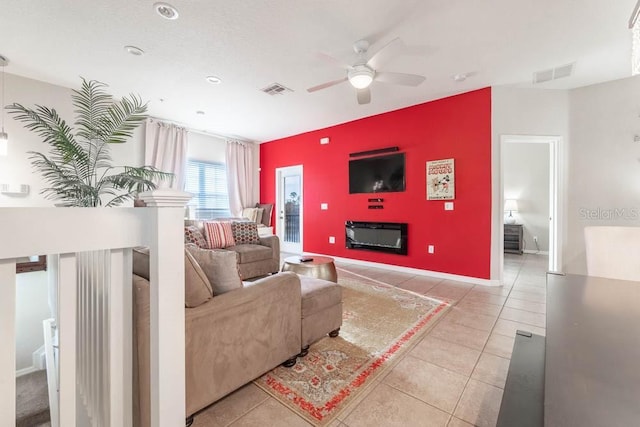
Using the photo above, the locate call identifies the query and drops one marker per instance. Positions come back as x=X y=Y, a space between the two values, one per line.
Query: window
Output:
x=208 y=182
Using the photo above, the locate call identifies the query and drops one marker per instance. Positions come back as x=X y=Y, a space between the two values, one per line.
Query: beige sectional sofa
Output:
x=254 y=260
x=231 y=338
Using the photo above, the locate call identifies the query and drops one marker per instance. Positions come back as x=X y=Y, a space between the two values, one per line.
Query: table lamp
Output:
x=510 y=205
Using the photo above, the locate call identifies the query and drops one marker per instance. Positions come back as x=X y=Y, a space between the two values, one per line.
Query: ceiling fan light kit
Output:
x=361 y=76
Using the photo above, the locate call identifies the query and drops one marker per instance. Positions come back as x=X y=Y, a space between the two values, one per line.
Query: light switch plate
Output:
x=431 y=249
x=448 y=206
x=332 y=239
x=324 y=140
x=324 y=206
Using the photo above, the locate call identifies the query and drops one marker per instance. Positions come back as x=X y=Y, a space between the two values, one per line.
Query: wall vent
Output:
x=553 y=73
x=276 y=89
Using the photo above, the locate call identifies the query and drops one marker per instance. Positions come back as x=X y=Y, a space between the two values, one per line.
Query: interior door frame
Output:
x=280 y=173
x=555 y=208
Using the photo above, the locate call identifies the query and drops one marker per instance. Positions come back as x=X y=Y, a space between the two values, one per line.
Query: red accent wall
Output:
x=457 y=127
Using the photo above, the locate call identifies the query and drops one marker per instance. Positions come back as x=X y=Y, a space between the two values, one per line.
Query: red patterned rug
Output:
x=380 y=322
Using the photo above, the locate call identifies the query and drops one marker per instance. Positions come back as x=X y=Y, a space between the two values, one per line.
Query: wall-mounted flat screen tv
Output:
x=378 y=174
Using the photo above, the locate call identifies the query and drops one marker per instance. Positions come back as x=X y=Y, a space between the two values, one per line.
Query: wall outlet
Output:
x=535 y=239
x=324 y=206
x=324 y=140
x=431 y=249
x=448 y=206
x=332 y=239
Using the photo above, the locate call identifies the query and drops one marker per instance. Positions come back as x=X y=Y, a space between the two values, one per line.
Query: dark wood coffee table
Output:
x=321 y=267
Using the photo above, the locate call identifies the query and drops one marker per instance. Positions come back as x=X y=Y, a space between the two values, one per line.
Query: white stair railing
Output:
x=95 y=306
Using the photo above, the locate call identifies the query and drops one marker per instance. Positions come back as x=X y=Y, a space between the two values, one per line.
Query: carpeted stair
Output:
x=32 y=400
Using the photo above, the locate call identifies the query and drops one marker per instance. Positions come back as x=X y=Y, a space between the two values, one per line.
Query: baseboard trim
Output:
x=416 y=271
x=27 y=370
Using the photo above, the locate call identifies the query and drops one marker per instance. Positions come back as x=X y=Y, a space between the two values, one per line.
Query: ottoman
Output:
x=321 y=310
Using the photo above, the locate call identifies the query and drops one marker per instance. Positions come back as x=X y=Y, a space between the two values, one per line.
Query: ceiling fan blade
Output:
x=331 y=60
x=326 y=85
x=364 y=96
x=385 y=53
x=400 y=78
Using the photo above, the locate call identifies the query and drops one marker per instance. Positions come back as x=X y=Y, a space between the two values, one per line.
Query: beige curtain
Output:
x=240 y=176
x=166 y=149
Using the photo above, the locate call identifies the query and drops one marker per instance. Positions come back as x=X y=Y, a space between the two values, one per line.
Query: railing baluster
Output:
x=8 y=339
x=67 y=330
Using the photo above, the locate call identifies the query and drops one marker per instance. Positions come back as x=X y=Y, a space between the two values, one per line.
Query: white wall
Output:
x=32 y=309
x=535 y=112
x=526 y=179
x=604 y=173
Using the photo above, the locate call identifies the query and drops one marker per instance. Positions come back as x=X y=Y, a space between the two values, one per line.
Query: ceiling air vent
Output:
x=276 y=89
x=553 y=74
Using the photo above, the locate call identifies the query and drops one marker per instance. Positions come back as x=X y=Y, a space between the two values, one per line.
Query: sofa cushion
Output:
x=266 y=214
x=253 y=214
x=219 y=234
x=318 y=294
x=197 y=288
x=252 y=253
x=245 y=233
x=221 y=268
x=193 y=235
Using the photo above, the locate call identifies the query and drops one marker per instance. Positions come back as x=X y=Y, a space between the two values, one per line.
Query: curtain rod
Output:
x=201 y=132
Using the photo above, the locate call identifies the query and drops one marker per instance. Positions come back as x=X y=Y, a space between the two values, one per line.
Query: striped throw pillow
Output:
x=219 y=234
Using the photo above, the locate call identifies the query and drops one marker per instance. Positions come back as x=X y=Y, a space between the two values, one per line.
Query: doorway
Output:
x=549 y=146
x=289 y=202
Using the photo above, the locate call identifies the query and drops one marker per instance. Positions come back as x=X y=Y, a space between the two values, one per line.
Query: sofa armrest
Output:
x=274 y=243
x=239 y=335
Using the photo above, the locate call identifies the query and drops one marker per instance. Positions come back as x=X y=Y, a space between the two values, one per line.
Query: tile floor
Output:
x=453 y=377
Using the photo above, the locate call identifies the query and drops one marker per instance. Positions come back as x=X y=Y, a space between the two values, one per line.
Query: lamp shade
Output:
x=511 y=205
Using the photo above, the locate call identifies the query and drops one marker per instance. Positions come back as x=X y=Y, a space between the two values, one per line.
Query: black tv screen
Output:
x=377 y=174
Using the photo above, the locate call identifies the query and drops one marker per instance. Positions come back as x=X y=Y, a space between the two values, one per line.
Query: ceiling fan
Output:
x=364 y=71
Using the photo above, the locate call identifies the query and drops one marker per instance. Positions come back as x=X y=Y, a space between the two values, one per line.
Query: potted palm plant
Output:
x=78 y=169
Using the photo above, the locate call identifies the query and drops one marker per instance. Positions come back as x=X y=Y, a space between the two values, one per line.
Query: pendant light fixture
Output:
x=4 y=138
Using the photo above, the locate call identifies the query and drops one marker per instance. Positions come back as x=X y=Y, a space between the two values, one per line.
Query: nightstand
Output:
x=513 y=238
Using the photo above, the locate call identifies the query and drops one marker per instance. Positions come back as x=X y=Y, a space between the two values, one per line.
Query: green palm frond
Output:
x=78 y=169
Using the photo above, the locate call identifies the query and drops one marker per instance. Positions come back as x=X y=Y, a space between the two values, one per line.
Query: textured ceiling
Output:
x=250 y=44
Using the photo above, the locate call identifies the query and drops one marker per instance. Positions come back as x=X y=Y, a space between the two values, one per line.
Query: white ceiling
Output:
x=253 y=43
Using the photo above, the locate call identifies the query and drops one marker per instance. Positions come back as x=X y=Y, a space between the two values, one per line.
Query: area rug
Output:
x=380 y=322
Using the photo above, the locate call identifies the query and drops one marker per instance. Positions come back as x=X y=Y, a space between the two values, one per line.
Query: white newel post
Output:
x=167 y=336
x=8 y=339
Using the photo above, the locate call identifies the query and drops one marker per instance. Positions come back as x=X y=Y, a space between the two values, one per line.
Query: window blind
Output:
x=208 y=182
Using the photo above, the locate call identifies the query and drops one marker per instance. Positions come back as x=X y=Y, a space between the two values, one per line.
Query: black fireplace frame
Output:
x=352 y=244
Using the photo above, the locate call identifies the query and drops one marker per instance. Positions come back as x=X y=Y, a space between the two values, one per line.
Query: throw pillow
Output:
x=266 y=215
x=252 y=214
x=245 y=233
x=221 y=268
x=219 y=234
x=193 y=235
x=197 y=288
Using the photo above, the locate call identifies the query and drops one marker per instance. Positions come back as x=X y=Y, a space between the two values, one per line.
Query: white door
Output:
x=289 y=196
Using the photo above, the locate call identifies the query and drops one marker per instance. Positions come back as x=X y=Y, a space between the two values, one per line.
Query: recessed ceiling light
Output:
x=214 y=80
x=200 y=112
x=166 y=10
x=133 y=50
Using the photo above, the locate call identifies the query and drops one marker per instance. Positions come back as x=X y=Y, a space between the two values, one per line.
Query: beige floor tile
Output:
x=492 y=370
x=480 y=404
x=485 y=298
x=420 y=284
x=509 y=328
x=535 y=319
x=204 y=420
x=469 y=337
x=395 y=277
x=389 y=407
x=448 y=291
x=429 y=383
x=530 y=289
x=494 y=290
x=500 y=345
x=337 y=423
x=457 y=422
x=534 y=307
x=479 y=307
x=455 y=357
x=236 y=404
x=271 y=413
x=527 y=296
x=470 y=319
